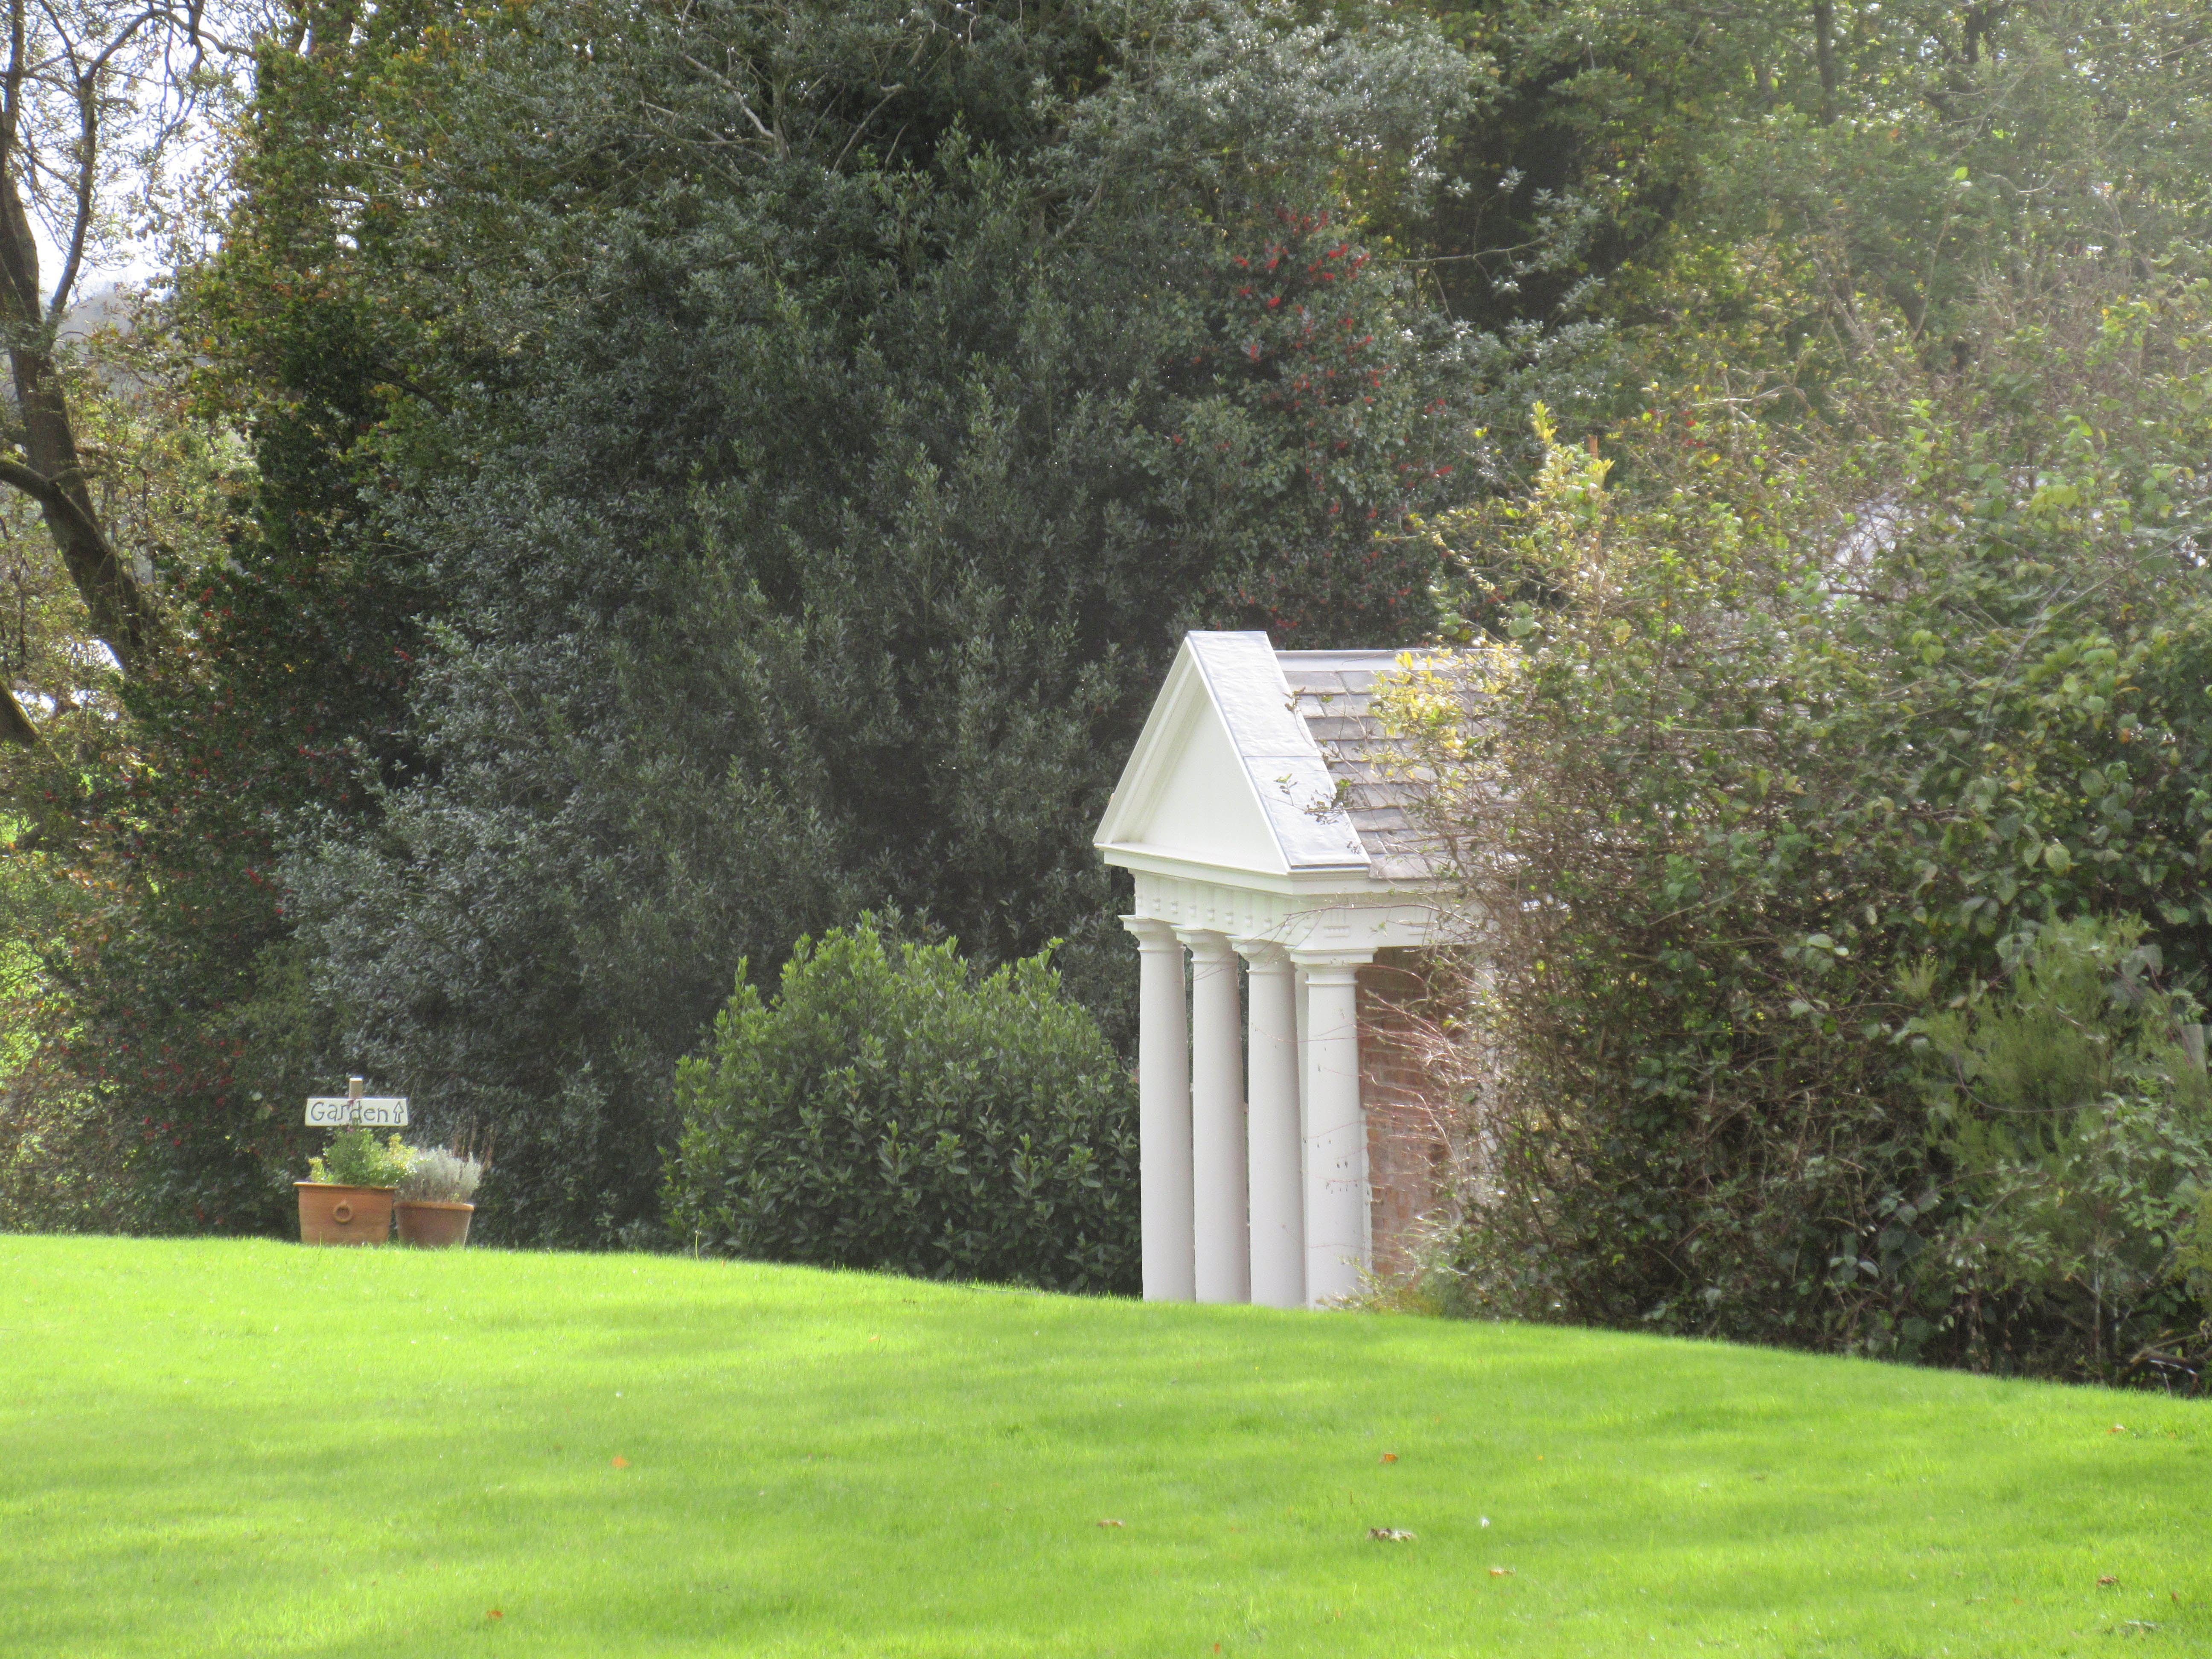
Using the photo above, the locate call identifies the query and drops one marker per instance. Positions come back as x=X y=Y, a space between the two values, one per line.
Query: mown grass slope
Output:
x=217 y=1446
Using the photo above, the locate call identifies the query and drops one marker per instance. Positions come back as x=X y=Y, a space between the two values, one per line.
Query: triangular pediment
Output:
x=1227 y=775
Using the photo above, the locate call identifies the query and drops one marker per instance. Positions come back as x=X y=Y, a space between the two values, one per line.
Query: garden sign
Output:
x=344 y=1111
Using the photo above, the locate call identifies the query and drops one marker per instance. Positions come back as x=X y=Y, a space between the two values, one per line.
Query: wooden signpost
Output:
x=344 y=1111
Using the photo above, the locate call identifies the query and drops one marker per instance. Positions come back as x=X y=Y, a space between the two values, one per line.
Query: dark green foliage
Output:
x=2196 y=1257
x=62 y=1167
x=724 y=467
x=888 y=1108
x=284 y=698
x=2075 y=1130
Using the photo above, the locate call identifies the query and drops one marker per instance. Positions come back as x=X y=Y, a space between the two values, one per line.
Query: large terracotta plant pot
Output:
x=331 y=1214
x=433 y=1224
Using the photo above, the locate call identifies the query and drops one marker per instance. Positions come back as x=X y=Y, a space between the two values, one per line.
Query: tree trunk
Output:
x=1976 y=25
x=123 y=617
x=14 y=724
x=1824 y=56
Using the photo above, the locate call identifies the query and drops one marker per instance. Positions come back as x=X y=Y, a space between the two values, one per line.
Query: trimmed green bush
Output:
x=891 y=1109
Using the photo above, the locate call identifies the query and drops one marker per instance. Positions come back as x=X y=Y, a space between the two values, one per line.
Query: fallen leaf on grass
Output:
x=1390 y=1535
x=2109 y=1579
x=2117 y=1428
x=1113 y=1523
x=1389 y=1457
x=621 y=1463
x=494 y=1612
x=1501 y=1572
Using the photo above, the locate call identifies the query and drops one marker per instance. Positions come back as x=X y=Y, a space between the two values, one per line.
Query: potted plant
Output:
x=346 y=1197
x=434 y=1206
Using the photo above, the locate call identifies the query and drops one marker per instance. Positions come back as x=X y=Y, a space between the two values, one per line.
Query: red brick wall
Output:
x=1410 y=1116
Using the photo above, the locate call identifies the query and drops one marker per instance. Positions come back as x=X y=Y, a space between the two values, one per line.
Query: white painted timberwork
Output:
x=1223 y=1248
x=1229 y=817
x=1338 y=1248
x=1163 y=1114
x=1275 y=1155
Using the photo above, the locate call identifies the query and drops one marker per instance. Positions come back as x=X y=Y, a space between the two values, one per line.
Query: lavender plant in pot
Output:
x=434 y=1199
x=347 y=1196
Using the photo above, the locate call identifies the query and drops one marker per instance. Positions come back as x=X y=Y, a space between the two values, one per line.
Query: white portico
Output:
x=1263 y=833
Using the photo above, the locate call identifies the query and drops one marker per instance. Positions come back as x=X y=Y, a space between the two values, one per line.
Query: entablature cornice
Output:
x=1369 y=919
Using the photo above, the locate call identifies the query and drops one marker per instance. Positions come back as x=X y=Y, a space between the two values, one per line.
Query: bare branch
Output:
x=738 y=93
x=87 y=157
x=861 y=126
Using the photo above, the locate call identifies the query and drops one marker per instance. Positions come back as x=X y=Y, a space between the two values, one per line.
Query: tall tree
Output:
x=159 y=811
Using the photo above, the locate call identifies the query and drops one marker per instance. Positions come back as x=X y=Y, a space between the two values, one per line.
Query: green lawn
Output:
x=256 y=1449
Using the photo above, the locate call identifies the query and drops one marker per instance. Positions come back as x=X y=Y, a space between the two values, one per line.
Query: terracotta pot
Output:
x=331 y=1214
x=433 y=1224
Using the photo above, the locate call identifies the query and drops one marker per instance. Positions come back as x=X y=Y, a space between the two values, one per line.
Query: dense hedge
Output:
x=1839 y=753
x=890 y=1110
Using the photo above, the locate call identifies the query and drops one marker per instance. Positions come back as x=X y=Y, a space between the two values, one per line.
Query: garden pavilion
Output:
x=1263 y=818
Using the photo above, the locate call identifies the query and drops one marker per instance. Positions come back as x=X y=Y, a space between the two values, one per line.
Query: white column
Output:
x=1273 y=1130
x=1163 y=1113
x=1304 y=1024
x=1219 y=1221
x=1337 y=1241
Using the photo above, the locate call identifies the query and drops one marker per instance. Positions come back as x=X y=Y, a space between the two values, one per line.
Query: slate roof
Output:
x=1333 y=692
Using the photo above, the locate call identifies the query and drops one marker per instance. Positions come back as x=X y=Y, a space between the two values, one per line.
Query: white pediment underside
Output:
x=1203 y=809
x=1225 y=775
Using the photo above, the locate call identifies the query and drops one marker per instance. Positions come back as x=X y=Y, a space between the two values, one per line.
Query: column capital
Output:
x=1150 y=932
x=1262 y=953
x=1206 y=945
x=1336 y=966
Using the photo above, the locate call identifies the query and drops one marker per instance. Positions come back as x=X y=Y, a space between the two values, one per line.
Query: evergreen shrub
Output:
x=1795 y=749
x=2077 y=1132
x=890 y=1109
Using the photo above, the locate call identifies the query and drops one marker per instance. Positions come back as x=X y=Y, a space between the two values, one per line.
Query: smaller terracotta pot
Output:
x=331 y=1214
x=432 y=1224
